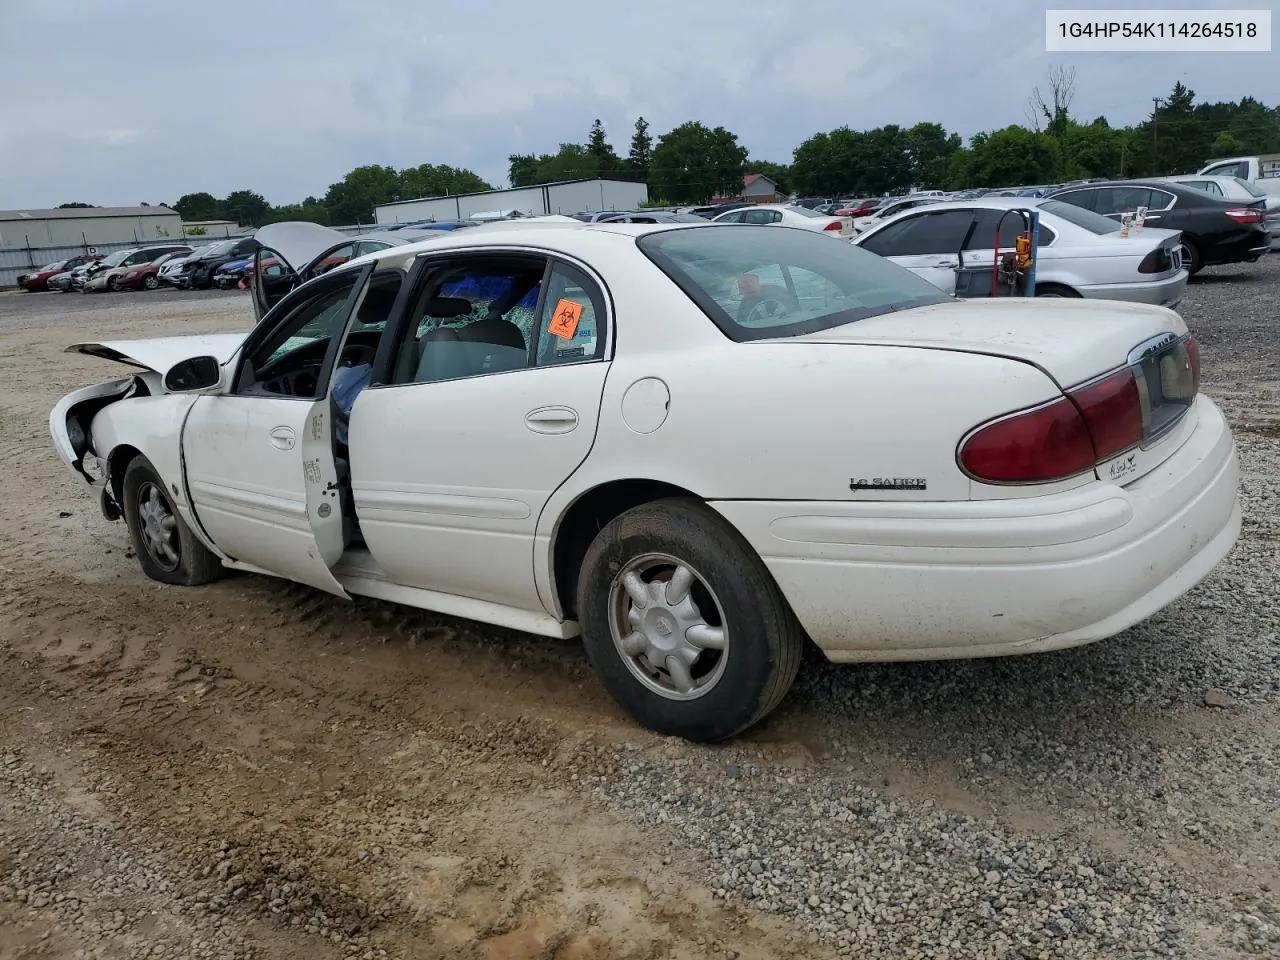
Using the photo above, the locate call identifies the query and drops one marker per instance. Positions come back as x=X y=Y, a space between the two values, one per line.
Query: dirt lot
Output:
x=254 y=769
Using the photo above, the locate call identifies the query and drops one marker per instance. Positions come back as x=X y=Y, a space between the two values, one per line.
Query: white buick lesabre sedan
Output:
x=699 y=447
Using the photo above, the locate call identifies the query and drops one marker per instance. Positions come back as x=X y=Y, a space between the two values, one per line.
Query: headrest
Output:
x=448 y=307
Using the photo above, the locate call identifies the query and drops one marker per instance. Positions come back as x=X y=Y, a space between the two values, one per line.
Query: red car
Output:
x=39 y=280
x=146 y=276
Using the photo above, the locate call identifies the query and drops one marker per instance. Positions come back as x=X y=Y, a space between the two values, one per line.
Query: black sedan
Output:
x=1214 y=230
x=198 y=269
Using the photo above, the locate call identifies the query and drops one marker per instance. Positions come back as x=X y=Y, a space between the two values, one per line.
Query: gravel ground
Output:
x=256 y=770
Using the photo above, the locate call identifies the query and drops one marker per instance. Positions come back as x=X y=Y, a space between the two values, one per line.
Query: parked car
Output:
x=595 y=466
x=652 y=216
x=113 y=277
x=1213 y=231
x=146 y=276
x=38 y=280
x=1262 y=171
x=886 y=210
x=1081 y=254
x=713 y=210
x=231 y=274
x=787 y=215
x=1234 y=188
x=170 y=274
x=198 y=269
x=66 y=281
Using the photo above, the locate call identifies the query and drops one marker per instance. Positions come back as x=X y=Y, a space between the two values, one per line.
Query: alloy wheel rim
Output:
x=668 y=626
x=159 y=528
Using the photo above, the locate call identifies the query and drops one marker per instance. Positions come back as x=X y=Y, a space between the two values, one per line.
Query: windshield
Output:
x=117 y=258
x=217 y=249
x=56 y=265
x=757 y=284
x=1253 y=189
x=806 y=212
x=1086 y=219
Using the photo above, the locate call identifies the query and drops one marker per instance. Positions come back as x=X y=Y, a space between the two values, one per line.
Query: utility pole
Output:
x=1155 y=135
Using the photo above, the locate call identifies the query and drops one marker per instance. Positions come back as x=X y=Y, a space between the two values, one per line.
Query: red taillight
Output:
x=833 y=225
x=1112 y=410
x=1245 y=215
x=1047 y=443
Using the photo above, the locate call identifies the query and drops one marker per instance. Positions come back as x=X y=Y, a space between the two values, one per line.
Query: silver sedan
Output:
x=1081 y=253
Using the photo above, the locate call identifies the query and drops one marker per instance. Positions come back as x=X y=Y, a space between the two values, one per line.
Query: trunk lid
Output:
x=1073 y=342
x=161 y=353
x=1070 y=340
x=298 y=242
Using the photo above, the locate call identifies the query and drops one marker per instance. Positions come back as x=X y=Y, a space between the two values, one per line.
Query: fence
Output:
x=15 y=261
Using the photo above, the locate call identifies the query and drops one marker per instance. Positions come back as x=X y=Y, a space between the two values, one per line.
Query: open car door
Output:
x=284 y=251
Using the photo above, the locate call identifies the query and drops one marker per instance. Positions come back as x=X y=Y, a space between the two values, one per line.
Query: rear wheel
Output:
x=683 y=623
x=1191 y=257
x=167 y=549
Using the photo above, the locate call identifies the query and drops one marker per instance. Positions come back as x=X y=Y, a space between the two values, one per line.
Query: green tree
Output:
x=200 y=206
x=352 y=199
x=522 y=169
x=929 y=148
x=1227 y=144
x=572 y=161
x=245 y=206
x=428 y=180
x=640 y=156
x=603 y=161
x=692 y=163
x=75 y=206
x=1011 y=157
x=1089 y=151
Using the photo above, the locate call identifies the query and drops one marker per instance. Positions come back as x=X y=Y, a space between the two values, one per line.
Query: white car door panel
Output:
x=264 y=484
x=452 y=463
x=449 y=478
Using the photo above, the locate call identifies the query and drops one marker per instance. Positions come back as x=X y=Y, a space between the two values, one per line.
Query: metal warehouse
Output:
x=87 y=226
x=567 y=196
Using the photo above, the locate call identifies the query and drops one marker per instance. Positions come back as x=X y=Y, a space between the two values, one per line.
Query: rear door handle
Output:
x=552 y=420
x=283 y=438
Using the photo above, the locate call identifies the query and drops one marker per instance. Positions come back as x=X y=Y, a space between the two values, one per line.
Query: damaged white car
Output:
x=699 y=447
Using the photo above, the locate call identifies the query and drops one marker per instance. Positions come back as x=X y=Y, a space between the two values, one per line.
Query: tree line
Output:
x=692 y=163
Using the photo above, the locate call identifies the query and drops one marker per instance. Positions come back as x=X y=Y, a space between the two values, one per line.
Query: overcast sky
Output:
x=118 y=102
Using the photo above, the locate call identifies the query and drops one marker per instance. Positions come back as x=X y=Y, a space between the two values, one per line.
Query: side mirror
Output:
x=198 y=373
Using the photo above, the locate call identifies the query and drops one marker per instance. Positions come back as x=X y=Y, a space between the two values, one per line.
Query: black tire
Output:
x=1192 y=258
x=764 y=640
x=1055 y=290
x=194 y=563
x=150 y=282
x=114 y=285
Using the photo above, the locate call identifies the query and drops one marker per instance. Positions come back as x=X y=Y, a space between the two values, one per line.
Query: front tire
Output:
x=167 y=549
x=150 y=282
x=114 y=284
x=683 y=623
x=1055 y=290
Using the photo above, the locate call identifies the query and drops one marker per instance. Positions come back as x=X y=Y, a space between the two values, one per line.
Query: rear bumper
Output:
x=926 y=581
x=1161 y=293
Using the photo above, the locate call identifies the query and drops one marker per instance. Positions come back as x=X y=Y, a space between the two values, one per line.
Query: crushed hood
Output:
x=298 y=241
x=161 y=353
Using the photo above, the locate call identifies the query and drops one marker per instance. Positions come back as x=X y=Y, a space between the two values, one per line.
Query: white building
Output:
x=88 y=226
x=566 y=197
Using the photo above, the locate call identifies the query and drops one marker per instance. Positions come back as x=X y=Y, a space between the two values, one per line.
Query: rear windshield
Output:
x=1253 y=190
x=1086 y=219
x=757 y=284
x=806 y=212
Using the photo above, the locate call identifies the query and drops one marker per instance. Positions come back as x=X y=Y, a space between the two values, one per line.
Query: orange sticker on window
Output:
x=564 y=322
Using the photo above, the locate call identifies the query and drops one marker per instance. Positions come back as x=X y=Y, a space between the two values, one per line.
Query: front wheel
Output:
x=167 y=549
x=683 y=623
x=150 y=282
x=114 y=284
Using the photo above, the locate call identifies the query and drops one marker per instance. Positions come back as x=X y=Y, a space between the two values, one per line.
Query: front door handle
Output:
x=552 y=420
x=283 y=438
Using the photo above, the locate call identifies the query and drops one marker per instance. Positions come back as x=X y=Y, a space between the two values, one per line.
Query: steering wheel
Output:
x=772 y=306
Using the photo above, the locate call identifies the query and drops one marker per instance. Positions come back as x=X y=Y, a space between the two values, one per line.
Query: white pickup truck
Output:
x=1263 y=171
